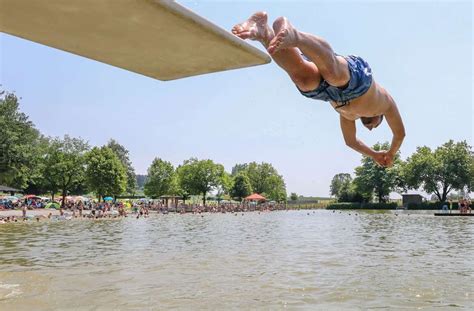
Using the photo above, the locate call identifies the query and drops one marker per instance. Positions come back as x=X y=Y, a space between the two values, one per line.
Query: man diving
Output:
x=319 y=73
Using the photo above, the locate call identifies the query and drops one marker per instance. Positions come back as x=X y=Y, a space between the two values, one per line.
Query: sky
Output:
x=421 y=52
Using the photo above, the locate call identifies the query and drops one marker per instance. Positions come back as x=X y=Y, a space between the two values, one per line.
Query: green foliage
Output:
x=105 y=173
x=199 y=176
x=313 y=199
x=346 y=205
x=350 y=193
x=224 y=186
x=18 y=143
x=343 y=188
x=448 y=167
x=239 y=168
x=63 y=166
x=293 y=196
x=36 y=182
x=374 y=179
x=161 y=179
x=242 y=187
x=340 y=183
x=339 y=206
x=430 y=206
x=141 y=180
x=264 y=180
x=122 y=153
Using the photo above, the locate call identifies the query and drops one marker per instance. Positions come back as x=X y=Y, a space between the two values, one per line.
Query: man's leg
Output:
x=334 y=69
x=303 y=73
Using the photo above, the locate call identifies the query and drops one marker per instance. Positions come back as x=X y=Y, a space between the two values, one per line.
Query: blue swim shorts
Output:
x=359 y=83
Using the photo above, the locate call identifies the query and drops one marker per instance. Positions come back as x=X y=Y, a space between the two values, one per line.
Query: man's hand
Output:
x=379 y=157
x=383 y=158
x=388 y=159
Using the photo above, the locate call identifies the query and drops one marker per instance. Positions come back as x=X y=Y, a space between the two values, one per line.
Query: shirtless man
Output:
x=344 y=81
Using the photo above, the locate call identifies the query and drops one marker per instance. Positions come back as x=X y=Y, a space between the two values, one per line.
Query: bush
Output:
x=344 y=205
x=298 y=206
x=430 y=206
x=362 y=206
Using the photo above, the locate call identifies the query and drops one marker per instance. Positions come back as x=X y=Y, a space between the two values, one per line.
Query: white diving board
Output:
x=156 y=38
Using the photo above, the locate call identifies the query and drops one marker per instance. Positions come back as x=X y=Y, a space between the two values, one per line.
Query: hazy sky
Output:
x=420 y=51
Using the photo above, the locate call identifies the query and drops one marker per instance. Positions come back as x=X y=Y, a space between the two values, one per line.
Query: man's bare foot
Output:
x=255 y=28
x=285 y=36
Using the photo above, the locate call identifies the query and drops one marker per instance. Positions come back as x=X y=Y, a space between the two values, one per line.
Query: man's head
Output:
x=371 y=122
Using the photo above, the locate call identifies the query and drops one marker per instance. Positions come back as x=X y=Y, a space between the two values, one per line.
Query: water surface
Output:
x=290 y=259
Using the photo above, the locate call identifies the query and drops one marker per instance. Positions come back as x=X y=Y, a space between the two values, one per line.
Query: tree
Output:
x=198 y=177
x=264 y=179
x=161 y=178
x=340 y=183
x=18 y=143
x=448 y=167
x=372 y=178
x=141 y=180
x=63 y=165
x=224 y=186
x=177 y=190
x=241 y=187
x=36 y=183
x=470 y=187
x=350 y=193
x=122 y=153
x=105 y=173
x=238 y=168
x=345 y=190
x=452 y=196
x=293 y=196
x=276 y=188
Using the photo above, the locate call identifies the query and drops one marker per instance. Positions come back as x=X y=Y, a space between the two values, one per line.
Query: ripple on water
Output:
x=324 y=260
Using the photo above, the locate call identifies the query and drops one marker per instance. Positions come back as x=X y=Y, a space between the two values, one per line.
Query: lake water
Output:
x=304 y=260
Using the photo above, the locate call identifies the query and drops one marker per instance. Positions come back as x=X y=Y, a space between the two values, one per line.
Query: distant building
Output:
x=411 y=198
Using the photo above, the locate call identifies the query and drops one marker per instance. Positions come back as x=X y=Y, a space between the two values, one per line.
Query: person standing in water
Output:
x=319 y=73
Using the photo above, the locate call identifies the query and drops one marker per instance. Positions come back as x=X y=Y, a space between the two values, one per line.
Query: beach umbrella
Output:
x=52 y=205
x=31 y=196
x=10 y=198
x=255 y=197
x=108 y=199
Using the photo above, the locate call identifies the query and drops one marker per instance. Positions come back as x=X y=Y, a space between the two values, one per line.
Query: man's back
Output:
x=376 y=101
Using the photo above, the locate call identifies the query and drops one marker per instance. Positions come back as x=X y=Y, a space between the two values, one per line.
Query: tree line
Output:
x=39 y=164
x=448 y=167
x=201 y=177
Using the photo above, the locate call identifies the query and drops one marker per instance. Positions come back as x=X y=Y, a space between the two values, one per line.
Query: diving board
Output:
x=156 y=38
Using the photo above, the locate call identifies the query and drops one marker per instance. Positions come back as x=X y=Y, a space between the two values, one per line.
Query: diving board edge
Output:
x=89 y=28
x=173 y=6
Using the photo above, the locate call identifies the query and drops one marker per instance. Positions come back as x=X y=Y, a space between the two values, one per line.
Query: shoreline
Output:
x=35 y=212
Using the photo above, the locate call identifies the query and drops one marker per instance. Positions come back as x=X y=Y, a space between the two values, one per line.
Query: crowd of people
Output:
x=90 y=209
x=138 y=208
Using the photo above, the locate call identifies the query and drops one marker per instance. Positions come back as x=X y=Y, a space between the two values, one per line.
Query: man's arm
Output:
x=349 y=130
x=395 y=122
